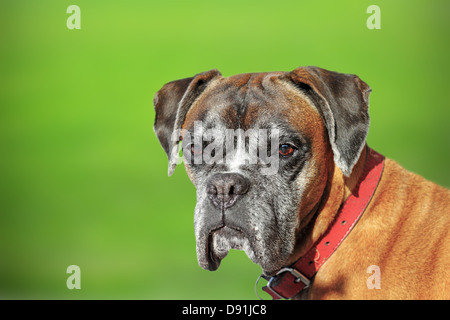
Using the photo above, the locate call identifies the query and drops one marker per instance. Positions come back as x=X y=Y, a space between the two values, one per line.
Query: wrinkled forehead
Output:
x=253 y=101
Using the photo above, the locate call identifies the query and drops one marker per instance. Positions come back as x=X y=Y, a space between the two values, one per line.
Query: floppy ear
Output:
x=172 y=102
x=343 y=100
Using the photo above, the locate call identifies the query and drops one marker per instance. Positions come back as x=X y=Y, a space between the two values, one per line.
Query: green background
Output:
x=83 y=178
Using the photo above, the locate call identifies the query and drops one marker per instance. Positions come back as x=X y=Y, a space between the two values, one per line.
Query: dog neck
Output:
x=338 y=188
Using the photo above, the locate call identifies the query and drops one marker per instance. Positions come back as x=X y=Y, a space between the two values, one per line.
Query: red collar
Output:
x=292 y=280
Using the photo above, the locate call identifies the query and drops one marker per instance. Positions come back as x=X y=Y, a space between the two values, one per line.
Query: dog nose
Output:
x=224 y=189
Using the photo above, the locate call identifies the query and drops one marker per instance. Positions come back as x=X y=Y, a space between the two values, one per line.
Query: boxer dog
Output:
x=280 y=162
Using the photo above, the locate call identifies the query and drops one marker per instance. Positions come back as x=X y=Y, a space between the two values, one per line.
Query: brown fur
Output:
x=404 y=231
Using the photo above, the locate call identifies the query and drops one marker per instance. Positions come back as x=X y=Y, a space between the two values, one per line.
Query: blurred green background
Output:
x=83 y=179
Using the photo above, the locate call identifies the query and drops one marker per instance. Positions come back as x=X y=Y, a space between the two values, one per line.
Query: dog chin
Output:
x=219 y=243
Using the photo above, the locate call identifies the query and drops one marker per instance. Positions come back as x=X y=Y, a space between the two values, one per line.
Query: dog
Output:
x=316 y=123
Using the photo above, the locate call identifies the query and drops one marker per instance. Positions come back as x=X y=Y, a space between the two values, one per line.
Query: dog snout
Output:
x=224 y=189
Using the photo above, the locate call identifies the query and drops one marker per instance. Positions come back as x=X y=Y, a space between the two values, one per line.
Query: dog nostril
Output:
x=211 y=189
x=241 y=188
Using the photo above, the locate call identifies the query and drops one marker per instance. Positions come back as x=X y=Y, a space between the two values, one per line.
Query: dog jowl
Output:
x=310 y=120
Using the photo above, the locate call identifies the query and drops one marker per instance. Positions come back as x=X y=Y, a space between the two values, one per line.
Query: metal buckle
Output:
x=299 y=277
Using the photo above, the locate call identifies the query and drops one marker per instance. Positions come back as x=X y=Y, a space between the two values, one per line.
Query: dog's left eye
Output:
x=286 y=150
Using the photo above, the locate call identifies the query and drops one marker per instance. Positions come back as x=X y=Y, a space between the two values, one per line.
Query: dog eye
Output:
x=196 y=149
x=286 y=149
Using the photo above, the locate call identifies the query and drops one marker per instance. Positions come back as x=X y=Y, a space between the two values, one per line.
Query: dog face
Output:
x=258 y=149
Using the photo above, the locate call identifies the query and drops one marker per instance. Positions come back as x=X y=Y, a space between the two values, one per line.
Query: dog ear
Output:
x=343 y=100
x=172 y=103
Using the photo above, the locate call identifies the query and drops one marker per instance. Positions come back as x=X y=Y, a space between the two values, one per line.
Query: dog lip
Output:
x=224 y=227
x=213 y=259
x=206 y=256
x=216 y=254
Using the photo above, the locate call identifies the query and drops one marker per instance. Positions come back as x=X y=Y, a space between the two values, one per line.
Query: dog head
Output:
x=258 y=148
